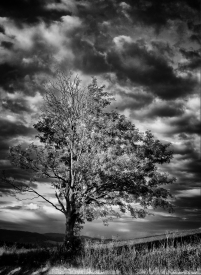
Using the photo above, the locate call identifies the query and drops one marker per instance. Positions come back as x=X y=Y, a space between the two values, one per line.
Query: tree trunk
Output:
x=69 y=230
x=72 y=244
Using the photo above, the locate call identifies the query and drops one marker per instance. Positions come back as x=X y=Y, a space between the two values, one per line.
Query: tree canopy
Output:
x=97 y=160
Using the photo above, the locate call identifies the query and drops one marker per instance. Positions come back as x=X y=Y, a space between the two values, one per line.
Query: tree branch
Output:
x=31 y=190
x=62 y=206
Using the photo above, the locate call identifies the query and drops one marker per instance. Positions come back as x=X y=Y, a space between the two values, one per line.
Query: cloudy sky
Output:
x=147 y=52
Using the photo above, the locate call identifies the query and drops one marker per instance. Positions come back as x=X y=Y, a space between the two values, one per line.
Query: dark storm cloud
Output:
x=13 y=129
x=149 y=12
x=4 y=202
x=30 y=11
x=7 y=45
x=163 y=49
x=154 y=71
x=187 y=172
x=189 y=202
x=187 y=123
x=16 y=105
x=155 y=13
x=159 y=13
x=133 y=101
x=88 y=58
x=2 y=30
x=102 y=41
x=195 y=38
x=187 y=149
x=146 y=68
x=8 y=73
x=20 y=76
x=190 y=54
x=22 y=63
x=193 y=60
x=195 y=28
x=17 y=207
x=10 y=130
x=99 y=11
x=193 y=167
x=21 y=178
x=163 y=109
x=4 y=147
x=13 y=75
x=168 y=111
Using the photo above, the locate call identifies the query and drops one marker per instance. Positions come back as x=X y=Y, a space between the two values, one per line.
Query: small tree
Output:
x=94 y=158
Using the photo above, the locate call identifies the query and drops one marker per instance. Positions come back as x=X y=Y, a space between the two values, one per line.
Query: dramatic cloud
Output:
x=143 y=67
x=12 y=129
x=33 y=11
x=145 y=52
x=193 y=60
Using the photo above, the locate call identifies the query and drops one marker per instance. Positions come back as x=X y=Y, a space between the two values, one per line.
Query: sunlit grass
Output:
x=170 y=256
x=61 y=269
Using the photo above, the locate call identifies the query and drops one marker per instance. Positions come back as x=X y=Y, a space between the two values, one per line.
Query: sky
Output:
x=146 y=52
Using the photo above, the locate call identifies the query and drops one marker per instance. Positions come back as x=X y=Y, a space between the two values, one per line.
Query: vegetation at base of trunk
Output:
x=98 y=162
x=71 y=248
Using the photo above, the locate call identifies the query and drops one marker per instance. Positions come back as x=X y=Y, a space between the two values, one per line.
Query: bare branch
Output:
x=26 y=198
x=31 y=190
x=60 y=202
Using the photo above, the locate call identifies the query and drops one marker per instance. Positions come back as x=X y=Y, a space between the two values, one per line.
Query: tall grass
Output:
x=169 y=256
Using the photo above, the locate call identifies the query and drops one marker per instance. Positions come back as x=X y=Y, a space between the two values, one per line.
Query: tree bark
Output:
x=69 y=230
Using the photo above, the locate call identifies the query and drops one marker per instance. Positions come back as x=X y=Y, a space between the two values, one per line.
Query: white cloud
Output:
x=18 y=216
x=120 y=40
x=163 y=214
x=23 y=36
x=34 y=101
x=11 y=118
x=53 y=200
x=123 y=230
x=32 y=206
x=140 y=220
x=71 y=22
x=125 y=6
x=196 y=192
x=51 y=210
x=67 y=5
x=54 y=37
x=193 y=106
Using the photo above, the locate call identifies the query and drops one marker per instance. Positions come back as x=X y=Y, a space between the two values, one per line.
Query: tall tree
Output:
x=98 y=162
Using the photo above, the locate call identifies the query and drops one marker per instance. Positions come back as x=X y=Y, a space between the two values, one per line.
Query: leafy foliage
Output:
x=98 y=162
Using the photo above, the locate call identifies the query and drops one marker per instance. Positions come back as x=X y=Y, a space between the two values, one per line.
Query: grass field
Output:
x=171 y=254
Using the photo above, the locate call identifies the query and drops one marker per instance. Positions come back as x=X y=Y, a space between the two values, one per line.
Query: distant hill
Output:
x=24 y=237
x=35 y=238
x=54 y=236
x=59 y=237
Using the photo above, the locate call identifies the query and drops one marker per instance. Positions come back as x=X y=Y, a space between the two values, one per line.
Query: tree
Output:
x=98 y=162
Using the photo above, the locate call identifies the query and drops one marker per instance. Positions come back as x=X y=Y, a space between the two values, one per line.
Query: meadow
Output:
x=171 y=255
